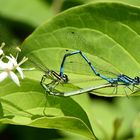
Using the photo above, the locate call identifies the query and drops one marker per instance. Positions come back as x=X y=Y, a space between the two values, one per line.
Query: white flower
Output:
x=16 y=65
x=1 y=51
x=8 y=68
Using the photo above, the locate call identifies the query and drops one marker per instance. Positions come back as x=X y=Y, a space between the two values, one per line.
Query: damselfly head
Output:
x=137 y=79
x=65 y=78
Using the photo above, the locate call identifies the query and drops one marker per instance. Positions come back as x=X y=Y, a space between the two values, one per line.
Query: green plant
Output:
x=111 y=31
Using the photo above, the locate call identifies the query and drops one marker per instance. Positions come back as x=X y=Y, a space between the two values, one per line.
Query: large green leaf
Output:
x=102 y=31
x=25 y=106
x=116 y=113
x=132 y=2
x=136 y=127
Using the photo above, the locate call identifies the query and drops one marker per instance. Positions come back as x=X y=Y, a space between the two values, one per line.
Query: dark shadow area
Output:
x=13 y=132
x=70 y=3
x=108 y=99
x=17 y=29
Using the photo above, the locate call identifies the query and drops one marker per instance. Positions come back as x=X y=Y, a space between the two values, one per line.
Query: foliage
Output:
x=108 y=34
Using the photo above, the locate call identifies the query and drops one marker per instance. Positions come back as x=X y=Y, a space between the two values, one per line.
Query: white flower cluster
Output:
x=8 y=68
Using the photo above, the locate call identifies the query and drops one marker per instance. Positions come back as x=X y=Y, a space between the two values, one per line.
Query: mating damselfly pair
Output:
x=65 y=80
x=51 y=79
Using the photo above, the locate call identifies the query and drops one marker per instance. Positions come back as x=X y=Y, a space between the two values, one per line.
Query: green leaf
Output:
x=136 y=127
x=110 y=115
x=131 y=2
x=102 y=31
x=32 y=12
x=25 y=106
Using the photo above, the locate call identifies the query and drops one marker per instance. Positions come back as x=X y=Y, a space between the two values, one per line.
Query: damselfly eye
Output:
x=65 y=78
x=137 y=79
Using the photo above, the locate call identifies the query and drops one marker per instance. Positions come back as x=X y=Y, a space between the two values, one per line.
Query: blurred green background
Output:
x=18 y=19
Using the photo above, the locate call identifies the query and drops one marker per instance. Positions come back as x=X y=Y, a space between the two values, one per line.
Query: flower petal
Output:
x=3 y=75
x=14 y=77
x=10 y=65
x=1 y=52
x=2 y=65
x=12 y=59
x=20 y=72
